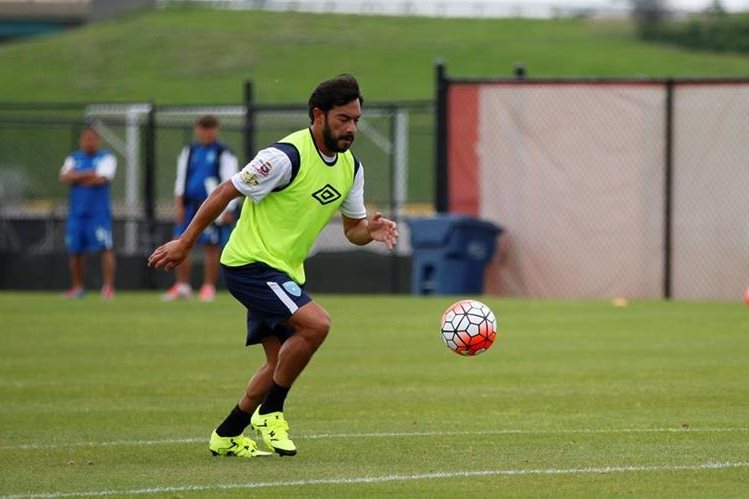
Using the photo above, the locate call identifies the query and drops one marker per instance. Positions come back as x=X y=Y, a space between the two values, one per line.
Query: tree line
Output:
x=713 y=29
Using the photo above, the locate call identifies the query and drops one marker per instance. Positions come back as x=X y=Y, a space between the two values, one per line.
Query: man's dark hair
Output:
x=337 y=91
x=207 y=121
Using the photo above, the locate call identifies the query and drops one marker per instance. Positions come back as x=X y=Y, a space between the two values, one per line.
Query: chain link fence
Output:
x=710 y=190
x=605 y=188
x=394 y=143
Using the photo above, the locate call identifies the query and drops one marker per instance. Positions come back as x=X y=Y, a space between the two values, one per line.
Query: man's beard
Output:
x=332 y=143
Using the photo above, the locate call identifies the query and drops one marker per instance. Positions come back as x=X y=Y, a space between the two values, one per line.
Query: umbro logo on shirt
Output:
x=326 y=195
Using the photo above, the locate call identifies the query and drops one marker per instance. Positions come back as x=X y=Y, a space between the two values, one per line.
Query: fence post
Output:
x=668 y=181
x=149 y=191
x=149 y=181
x=249 y=122
x=399 y=131
x=399 y=179
x=133 y=138
x=441 y=194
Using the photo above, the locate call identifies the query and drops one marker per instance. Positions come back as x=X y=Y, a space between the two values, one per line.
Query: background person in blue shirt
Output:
x=201 y=167
x=89 y=172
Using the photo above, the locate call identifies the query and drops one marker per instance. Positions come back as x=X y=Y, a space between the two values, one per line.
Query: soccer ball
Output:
x=468 y=327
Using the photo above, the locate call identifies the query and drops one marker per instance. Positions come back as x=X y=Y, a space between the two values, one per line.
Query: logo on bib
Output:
x=293 y=288
x=326 y=195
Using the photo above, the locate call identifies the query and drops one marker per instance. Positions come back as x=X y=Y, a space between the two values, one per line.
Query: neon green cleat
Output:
x=275 y=432
x=235 y=446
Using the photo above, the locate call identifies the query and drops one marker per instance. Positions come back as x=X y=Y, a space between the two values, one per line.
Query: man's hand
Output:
x=383 y=230
x=168 y=256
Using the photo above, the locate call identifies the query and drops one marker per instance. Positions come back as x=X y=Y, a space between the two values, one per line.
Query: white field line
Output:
x=385 y=478
x=316 y=436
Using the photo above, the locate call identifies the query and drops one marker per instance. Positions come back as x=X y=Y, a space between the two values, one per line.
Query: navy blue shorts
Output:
x=269 y=295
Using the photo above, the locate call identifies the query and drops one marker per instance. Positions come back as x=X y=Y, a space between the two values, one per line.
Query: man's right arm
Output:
x=211 y=208
x=252 y=181
x=171 y=254
x=69 y=176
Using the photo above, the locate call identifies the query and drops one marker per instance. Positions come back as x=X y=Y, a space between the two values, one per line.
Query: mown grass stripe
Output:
x=386 y=478
x=318 y=436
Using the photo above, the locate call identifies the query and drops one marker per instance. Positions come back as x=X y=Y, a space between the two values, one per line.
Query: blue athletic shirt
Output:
x=90 y=201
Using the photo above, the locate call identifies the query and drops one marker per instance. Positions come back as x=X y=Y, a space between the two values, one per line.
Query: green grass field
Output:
x=190 y=55
x=575 y=399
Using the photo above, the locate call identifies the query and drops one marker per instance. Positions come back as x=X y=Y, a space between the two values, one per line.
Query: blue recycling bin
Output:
x=450 y=254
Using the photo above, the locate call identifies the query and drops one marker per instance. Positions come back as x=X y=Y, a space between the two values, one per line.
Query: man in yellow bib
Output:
x=291 y=190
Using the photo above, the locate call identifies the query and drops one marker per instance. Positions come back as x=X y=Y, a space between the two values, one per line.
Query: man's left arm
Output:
x=356 y=226
x=363 y=231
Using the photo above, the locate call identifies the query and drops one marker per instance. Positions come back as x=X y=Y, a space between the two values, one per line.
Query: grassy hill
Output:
x=193 y=55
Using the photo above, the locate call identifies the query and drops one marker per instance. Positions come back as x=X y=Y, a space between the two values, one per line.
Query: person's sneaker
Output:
x=179 y=291
x=275 y=432
x=74 y=293
x=107 y=293
x=235 y=446
x=207 y=293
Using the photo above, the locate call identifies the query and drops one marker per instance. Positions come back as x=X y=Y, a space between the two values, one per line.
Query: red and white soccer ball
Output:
x=468 y=327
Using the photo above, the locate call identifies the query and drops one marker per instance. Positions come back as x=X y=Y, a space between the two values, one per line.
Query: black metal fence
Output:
x=395 y=144
x=607 y=187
